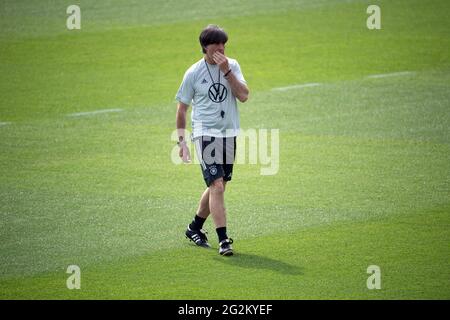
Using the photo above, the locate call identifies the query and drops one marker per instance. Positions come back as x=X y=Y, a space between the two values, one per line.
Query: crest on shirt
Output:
x=213 y=170
x=217 y=92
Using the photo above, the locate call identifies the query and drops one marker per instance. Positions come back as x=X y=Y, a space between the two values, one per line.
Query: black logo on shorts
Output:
x=217 y=92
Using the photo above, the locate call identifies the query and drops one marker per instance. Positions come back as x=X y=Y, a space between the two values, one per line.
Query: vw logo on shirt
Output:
x=217 y=92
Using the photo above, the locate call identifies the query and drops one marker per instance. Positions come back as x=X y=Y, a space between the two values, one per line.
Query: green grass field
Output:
x=364 y=169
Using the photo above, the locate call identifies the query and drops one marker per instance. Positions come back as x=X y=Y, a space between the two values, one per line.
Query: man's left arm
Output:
x=239 y=89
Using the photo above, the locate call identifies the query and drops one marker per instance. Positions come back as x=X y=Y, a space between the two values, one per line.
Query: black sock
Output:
x=222 y=233
x=197 y=223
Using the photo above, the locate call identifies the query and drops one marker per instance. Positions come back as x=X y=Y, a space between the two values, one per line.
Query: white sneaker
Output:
x=225 y=248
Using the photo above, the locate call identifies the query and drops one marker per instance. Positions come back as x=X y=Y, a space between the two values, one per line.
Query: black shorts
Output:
x=216 y=156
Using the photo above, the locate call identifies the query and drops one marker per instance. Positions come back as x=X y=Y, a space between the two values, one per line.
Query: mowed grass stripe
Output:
x=75 y=176
x=91 y=113
x=62 y=74
x=327 y=262
x=30 y=19
x=392 y=74
x=296 y=86
x=99 y=191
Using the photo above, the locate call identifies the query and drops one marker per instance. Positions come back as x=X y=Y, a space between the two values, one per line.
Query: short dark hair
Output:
x=212 y=34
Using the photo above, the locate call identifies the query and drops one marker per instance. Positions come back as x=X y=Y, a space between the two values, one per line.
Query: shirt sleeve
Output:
x=236 y=68
x=185 y=93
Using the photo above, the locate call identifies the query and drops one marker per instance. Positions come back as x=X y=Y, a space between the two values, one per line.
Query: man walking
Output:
x=212 y=86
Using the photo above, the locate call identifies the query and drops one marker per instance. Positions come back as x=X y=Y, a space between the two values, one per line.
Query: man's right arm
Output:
x=181 y=120
x=181 y=131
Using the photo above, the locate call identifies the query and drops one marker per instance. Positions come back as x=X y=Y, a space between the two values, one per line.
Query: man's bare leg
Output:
x=203 y=210
x=203 y=207
x=216 y=202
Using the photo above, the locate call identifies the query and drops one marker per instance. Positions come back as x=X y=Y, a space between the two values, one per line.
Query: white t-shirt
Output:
x=214 y=106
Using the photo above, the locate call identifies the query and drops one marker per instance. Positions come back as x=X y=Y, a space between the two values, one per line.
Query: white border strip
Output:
x=4 y=123
x=373 y=76
x=297 y=86
x=393 y=74
x=89 y=113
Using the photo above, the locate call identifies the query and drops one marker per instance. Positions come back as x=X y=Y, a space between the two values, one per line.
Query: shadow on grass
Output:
x=251 y=261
